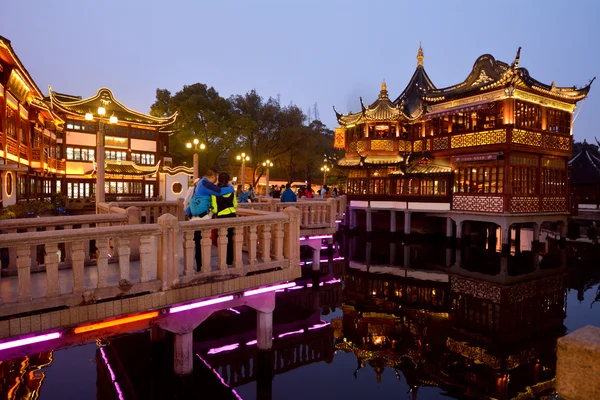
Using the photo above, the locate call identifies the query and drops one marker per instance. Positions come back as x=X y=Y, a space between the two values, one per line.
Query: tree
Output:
x=265 y=129
x=204 y=115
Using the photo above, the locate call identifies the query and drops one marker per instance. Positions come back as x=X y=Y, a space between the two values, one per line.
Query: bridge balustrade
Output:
x=272 y=244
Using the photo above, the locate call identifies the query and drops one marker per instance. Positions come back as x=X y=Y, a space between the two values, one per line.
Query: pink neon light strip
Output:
x=221 y=349
x=317 y=237
x=319 y=326
x=338 y=280
x=233 y=310
x=199 y=304
x=29 y=340
x=337 y=221
x=220 y=377
x=252 y=342
x=291 y=333
x=269 y=289
x=112 y=374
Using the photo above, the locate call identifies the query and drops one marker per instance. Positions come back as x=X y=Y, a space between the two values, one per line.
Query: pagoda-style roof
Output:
x=489 y=74
x=124 y=167
x=73 y=105
x=381 y=110
x=19 y=76
x=585 y=167
x=420 y=83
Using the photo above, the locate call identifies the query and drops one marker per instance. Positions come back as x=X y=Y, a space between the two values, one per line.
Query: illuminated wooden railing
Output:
x=61 y=165
x=515 y=204
x=36 y=155
x=273 y=246
x=150 y=211
x=12 y=147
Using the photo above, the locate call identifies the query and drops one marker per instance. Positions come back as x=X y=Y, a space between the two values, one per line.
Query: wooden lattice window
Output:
x=527 y=115
x=558 y=121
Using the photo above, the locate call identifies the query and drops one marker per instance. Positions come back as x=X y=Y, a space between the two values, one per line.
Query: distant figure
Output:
x=334 y=194
x=301 y=192
x=327 y=193
x=310 y=193
x=242 y=197
x=288 y=195
x=276 y=193
x=251 y=194
x=323 y=191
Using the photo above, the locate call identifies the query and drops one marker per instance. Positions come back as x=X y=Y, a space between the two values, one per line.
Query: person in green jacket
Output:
x=224 y=207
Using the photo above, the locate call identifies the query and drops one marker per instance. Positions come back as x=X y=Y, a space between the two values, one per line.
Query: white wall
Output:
x=6 y=199
x=166 y=185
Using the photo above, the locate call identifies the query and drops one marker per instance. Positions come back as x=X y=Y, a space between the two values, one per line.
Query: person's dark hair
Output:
x=211 y=172
x=223 y=179
x=287 y=186
x=239 y=190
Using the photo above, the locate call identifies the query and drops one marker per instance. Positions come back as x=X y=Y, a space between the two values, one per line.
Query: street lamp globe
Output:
x=188 y=145
x=202 y=146
x=101 y=111
x=89 y=116
x=113 y=119
x=196 y=141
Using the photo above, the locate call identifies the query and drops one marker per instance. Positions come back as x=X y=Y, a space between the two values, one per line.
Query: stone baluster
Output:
x=51 y=261
x=252 y=245
x=311 y=219
x=102 y=262
x=222 y=247
x=238 y=238
x=86 y=244
x=124 y=253
x=180 y=209
x=68 y=249
x=78 y=259
x=278 y=242
x=188 y=253
x=12 y=253
x=146 y=212
x=291 y=241
x=265 y=240
x=147 y=261
x=206 y=243
x=305 y=218
x=157 y=213
x=318 y=214
x=34 y=250
x=24 y=273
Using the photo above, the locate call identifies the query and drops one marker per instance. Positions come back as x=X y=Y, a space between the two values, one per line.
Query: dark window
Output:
x=558 y=121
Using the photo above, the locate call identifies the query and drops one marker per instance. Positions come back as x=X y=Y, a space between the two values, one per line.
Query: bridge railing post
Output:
x=134 y=217
x=291 y=245
x=168 y=265
x=332 y=212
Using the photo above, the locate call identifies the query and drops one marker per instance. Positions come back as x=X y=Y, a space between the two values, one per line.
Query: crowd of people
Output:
x=212 y=196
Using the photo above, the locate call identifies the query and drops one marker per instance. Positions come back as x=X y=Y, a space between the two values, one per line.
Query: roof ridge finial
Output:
x=420 y=56
x=517 y=58
x=383 y=85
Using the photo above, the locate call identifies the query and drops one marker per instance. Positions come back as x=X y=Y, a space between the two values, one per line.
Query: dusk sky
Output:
x=328 y=52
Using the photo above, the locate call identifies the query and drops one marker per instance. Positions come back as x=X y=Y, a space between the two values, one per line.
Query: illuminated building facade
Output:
x=47 y=146
x=134 y=147
x=498 y=142
x=29 y=130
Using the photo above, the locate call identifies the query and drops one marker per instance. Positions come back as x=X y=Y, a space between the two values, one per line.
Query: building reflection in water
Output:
x=472 y=321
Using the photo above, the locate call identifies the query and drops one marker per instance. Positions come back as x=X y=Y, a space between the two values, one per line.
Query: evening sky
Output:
x=328 y=52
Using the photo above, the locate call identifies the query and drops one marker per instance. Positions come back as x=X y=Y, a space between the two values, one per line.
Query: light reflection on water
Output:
x=377 y=323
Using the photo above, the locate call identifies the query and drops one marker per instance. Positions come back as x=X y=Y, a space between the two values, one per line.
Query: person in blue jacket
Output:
x=200 y=204
x=288 y=195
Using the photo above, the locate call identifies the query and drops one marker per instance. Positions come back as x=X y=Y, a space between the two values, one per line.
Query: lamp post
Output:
x=325 y=169
x=267 y=164
x=196 y=145
x=243 y=158
x=100 y=155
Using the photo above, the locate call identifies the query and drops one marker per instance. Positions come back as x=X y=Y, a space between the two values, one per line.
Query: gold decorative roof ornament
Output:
x=420 y=56
x=383 y=86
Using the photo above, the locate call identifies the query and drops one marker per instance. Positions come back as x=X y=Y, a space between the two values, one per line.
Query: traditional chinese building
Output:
x=498 y=142
x=585 y=175
x=29 y=163
x=134 y=143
